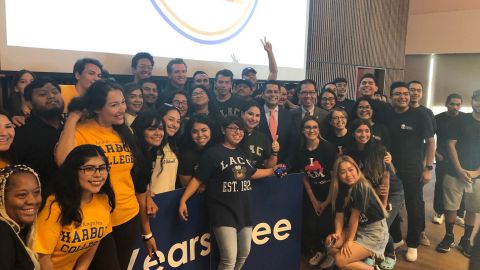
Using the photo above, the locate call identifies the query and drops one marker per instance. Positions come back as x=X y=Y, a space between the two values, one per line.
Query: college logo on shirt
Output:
x=239 y=172
x=314 y=169
x=403 y=126
x=208 y=21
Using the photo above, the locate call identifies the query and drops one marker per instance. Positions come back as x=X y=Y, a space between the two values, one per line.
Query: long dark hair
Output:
x=95 y=99
x=373 y=154
x=66 y=187
x=355 y=108
x=143 y=121
x=188 y=140
x=14 y=105
x=171 y=140
x=8 y=156
x=303 y=142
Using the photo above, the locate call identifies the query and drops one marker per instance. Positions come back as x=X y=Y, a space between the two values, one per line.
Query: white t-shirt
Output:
x=163 y=181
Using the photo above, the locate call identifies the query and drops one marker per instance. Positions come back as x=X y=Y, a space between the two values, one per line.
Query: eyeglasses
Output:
x=310 y=127
x=397 y=94
x=177 y=103
x=328 y=99
x=235 y=129
x=336 y=118
x=91 y=170
x=198 y=94
x=144 y=67
x=308 y=93
x=364 y=107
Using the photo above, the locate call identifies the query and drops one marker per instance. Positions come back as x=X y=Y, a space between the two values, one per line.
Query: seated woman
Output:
x=20 y=199
x=264 y=153
x=354 y=198
x=226 y=170
x=76 y=215
x=7 y=134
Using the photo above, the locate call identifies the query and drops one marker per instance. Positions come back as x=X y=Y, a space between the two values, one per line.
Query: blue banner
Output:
x=276 y=213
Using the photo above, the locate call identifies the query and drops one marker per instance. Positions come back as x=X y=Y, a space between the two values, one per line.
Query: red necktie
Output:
x=272 y=124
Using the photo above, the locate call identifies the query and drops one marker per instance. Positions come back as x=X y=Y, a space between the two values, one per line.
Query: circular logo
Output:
x=206 y=21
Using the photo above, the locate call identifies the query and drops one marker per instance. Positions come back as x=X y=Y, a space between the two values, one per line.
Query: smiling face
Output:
x=143 y=69
x=283 y=96
x=150 y=93
x=400 y=98
x=22 y=198
x=134 y=101
x=178 y=76
x=233 y=135
x=202 y=79
x=339 y=120
x=90 y=74
x=113 y=112
x=271 y=95
x=348 y=173
x=362 y=134
x=24 y=80
x=92 y=176
x=223 y=86
x=243 y=90
x=327 y=101
x=364 y=110
x=201 y=134
x=311 y=130
x=172 y=122
x=154 y=135
x=199 y=97
x=307 y=95
x=7 y=133
x=416 y=92
x=181 y=103
x=251 y=117
x=368 y=87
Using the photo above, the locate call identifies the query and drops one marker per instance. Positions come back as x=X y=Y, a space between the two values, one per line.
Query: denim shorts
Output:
x=373 y=237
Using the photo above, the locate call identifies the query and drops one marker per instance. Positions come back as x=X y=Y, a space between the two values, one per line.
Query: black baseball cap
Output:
x=246 y=82
x=247 y=70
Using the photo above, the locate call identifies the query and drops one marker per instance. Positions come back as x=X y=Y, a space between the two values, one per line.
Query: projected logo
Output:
x=206 y=21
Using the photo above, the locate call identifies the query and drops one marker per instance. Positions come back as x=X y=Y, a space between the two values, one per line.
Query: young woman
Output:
x=264 y=154
x=363 y=110
x=199 y=138
x=16 y=102
x=20 y=200
x=327 y=100
x=76 y=215
x=105 y=126
x=7 y=134
x=354 y=198
x=335 y=130
x=134 y=98
x=315 y=159
x=203 y=104
x=375 y=163
x=226 y=171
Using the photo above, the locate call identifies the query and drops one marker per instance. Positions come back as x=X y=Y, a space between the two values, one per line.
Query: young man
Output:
x=409 y=129
x=149 y=88
x=35 y=141
x=368 y=88
x=276 y=122
x=244 y=89
x=342 y=90
x=86 y=72
x=142 y=66
x=226 y=103
x=201 y=78
x=307 y=90
x=177 y=77
x=444 y=123
x=463 y=176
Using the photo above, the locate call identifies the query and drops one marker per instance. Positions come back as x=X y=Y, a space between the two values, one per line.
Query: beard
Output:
x=49 y=113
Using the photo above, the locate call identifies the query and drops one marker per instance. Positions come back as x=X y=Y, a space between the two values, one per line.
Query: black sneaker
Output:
x=446 y=244
x=465 y=247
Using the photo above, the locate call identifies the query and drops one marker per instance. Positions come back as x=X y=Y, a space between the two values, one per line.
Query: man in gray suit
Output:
x=307 y=93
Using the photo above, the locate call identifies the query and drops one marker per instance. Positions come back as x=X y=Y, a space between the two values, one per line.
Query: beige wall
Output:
x=443 y=26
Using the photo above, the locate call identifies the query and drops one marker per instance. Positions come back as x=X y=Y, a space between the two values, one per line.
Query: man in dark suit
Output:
x=276 y=122
x=307 y=91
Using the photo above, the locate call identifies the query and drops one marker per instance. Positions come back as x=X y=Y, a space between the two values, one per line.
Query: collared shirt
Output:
x=267 y=114
x=304 y=111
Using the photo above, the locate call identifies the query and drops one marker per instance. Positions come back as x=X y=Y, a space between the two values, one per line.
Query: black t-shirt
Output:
x=259 y=147
x=408 y=130
x=347 y=104
x=444 y=123
x=431 y=116
x=230 y=107
x=381 y=134
x=316 y=165
x=362 y=199
x=226 y=173
x=341 y=144
x=466 y=131
x=14 y=256
x=188 y=162
x=381 y=110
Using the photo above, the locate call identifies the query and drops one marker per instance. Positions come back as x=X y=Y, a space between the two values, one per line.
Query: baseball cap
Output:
x=247 y=70
x=476 y=94
x=246 y=82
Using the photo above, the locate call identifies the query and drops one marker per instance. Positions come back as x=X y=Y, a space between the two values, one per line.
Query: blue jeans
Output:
x=234 y=246
x=396 y=199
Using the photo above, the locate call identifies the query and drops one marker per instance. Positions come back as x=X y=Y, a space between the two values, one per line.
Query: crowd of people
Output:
x=81 y=163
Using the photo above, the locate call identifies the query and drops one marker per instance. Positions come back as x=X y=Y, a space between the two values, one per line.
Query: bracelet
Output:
x=147 y=237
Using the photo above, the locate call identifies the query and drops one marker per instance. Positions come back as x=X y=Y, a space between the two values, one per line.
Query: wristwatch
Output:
x=429 y=167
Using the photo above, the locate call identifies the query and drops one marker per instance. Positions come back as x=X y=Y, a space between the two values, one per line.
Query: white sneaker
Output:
x=460 y=221
x=316 y=259
x=411 y=255
x=398 y=244
x=327 y=263
x=438 y=218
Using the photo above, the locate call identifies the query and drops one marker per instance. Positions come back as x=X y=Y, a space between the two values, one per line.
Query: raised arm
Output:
x=272 y=63
x=66 y=142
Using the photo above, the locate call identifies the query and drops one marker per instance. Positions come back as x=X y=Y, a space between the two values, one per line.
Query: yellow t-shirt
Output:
x=164 y=181
x=67 y=243
x=68 y=93
x=121 y=162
